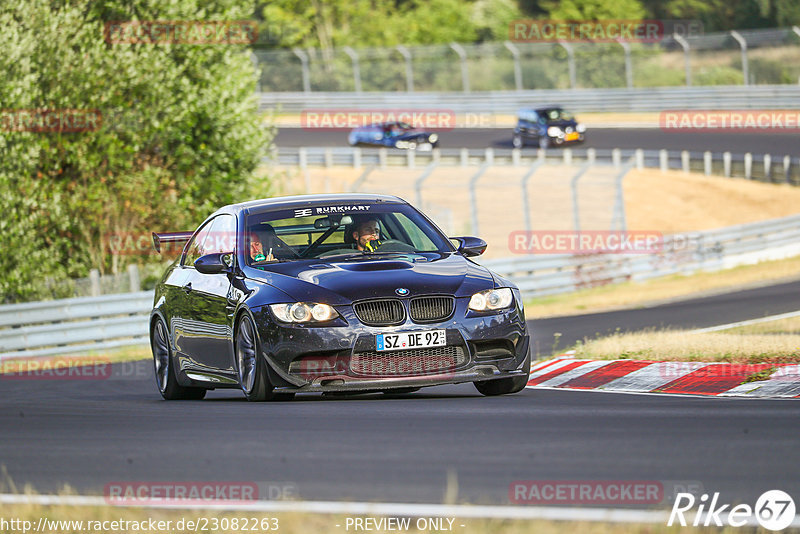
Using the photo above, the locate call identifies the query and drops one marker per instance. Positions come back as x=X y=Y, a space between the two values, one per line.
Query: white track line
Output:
x=746 y=323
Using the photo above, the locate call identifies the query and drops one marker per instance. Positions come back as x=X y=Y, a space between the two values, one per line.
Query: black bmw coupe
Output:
x=393 y=135
x=332 y=293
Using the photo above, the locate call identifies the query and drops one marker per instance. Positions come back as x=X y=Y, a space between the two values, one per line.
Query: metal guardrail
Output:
x=576 y=100
x=765 y=167
x=540 y=275
x=100 y=323
x=74 y=325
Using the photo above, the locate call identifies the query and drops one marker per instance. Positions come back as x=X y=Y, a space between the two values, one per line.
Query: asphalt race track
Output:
x=89 y=433
x=777 y=144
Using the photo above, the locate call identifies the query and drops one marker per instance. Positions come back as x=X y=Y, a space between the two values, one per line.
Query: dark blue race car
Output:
x=547 y=126
x=394 y=135
x=333 y=293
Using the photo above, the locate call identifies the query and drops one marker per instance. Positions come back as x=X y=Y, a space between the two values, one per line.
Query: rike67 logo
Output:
x=774 y=510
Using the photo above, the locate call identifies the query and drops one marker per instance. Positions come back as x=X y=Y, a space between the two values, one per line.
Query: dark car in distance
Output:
x=395 y=134
x=547 y=126
x=332 y=294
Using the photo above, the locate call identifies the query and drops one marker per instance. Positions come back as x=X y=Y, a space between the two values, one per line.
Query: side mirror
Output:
x=216 y=263
x=471 y=246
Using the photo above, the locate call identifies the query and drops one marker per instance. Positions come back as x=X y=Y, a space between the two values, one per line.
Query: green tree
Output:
x=179 y=135
x=594 y=9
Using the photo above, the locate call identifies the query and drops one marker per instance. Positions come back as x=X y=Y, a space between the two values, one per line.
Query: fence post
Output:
x=573 y=77
x=133 y=276
x=411 y=159
x=626 y=47
x=787 y=166
x=618 y=218
x=515 y=155
x=361 y=179
x=685 y=161
x=639 y=156
x=94 y=280
x=306 y=74
x=768 y=167
x=473 y=197
x=382 y=157
x=687 y=58
x=356 y=69
x=517 y=68
x=409 y=67
x=576 y=218
x=356 y=157
x=328 y=157
x=707 y=163
x=616 y=157
x=489 y=155
x=464 y=154
x=726 y=164
x=748 y=166
x=663 y=160
x=419 y=181
x=525 y=207
x=462 y=55
x=567 y=156
x=743 y=45
x=591 y=155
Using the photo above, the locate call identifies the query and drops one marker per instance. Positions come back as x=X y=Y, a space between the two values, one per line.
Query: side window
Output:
x=419 y=240
x=193 y=247
x=219 y=235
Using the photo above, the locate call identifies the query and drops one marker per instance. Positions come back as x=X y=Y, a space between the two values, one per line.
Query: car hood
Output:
x=563 y=123
x=341 y=282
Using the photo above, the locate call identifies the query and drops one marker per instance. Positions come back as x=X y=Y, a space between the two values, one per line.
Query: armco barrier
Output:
x=74 y=325
x=576 y=100
x=99 y=323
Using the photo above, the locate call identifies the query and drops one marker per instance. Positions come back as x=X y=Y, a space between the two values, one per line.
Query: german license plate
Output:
x=572 y=136
x=410 y=340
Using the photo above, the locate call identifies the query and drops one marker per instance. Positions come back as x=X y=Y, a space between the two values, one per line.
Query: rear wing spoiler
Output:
x=170 y=237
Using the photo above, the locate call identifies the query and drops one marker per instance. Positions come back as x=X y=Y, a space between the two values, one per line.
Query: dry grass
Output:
x=678 y=202
x=681 y=345
x=659 y=290
x=781 y=326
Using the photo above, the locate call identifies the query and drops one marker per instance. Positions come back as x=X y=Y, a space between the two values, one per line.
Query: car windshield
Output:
x=555 y=114
x=343 y=230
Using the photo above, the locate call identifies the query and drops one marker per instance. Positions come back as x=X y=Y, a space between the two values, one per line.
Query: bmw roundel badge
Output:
x=401 y=291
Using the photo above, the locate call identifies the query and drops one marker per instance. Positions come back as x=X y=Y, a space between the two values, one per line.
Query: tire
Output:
x=544 y=142
x=517 y=141
x=164 y=368
x=251 y=369
x=505 y=386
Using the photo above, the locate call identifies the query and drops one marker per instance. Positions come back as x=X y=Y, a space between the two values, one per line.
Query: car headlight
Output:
x=432 y=138
x=303 y=312
x=401 y=144
x=580 y=128
x=491 y=299
x=554 y=131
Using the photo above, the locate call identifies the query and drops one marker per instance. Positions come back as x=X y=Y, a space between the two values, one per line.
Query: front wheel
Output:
x=505 y=386
x=250 y=366
x=517 y=141
x=544 y=142
x=166 y=381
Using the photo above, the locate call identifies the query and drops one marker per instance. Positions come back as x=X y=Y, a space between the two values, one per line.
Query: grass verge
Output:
x=682 y=345
x=660 y=290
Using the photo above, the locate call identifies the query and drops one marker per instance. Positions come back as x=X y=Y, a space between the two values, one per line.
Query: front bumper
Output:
x=303 y=358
